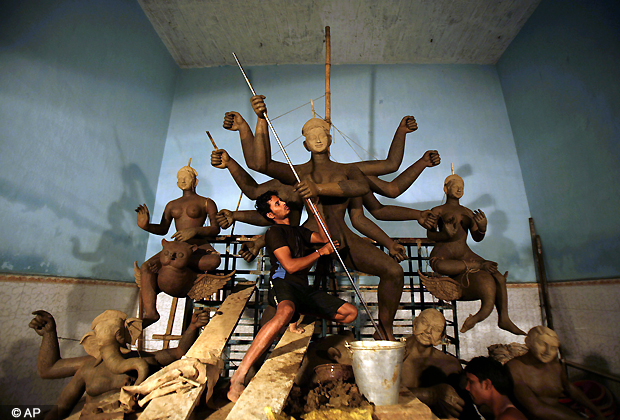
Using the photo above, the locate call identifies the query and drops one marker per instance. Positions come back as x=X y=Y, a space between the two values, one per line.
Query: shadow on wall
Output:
x=116 y=251
x=20 y=383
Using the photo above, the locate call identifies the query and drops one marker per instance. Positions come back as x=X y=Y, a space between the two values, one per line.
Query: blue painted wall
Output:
x=86 y=89
x=561 y=83
x=460 y=111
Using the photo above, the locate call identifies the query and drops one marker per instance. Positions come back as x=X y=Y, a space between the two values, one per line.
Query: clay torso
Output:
x=189 y=211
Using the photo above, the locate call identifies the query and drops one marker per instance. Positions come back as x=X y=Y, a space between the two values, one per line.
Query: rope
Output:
x=295 y=109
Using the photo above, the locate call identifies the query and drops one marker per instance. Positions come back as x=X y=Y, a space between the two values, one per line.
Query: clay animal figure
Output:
x=189 y=213
x=174 y=277
x=478 y=278
x=110 y=364
x=177 y=279
x=540 y=380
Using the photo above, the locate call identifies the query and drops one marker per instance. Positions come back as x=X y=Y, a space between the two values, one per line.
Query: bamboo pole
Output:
x=328 y=68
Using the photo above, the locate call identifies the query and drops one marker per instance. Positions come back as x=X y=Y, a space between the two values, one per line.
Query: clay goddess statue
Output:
x=189 y=213
x=451 y=256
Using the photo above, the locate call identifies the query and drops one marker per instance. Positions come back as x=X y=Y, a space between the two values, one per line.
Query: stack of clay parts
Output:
x=599 y=395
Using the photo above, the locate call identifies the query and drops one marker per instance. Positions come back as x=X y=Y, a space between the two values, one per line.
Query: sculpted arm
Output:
x=395 y=154
x=530 y=401
x=68 y=398
x=49 y=363
x=442 y=396
x=156 y=229
x=221 y=159
x=403 y=181
x=575 y=393
x=233 y=121
x=368 y=228
x=425 y=218
x=167 y=356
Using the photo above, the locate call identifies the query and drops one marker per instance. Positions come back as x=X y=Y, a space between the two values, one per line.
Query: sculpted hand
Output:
x=199 y=319
x=249 y=250
x=258 y=105
x=43 y=323
x=409 y=124
x=232 y=121
x=143 y=216
x=398 y=252
x=431 y=158
x=154 y=266
x=481 y=220
x=219 y=159
x=307 y=189
x=185 y=234
x=224 y=218
x=328 y=249
x=428 y=220
x=489 y=266
x=449 y=400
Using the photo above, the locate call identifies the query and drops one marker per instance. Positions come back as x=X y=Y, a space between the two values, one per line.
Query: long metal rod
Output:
x=313 y=208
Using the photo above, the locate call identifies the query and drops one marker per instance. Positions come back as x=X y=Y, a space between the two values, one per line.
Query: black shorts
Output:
x=307 y=300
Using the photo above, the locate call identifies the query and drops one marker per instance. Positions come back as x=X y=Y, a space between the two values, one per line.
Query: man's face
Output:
x=544 y=348
x=455 y=188
x=478 y=390
x=185 y=181
x=279 y=209
x=428 y=329
x=317 y=140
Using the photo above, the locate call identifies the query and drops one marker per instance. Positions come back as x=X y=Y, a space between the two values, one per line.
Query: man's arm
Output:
x=403 y=181
x=395 y=154
x=293 y=265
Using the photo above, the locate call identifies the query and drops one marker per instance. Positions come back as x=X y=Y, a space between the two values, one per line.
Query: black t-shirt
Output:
x=297 y=238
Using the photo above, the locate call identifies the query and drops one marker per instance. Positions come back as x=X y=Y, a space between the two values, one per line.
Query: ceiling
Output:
x=204 y=33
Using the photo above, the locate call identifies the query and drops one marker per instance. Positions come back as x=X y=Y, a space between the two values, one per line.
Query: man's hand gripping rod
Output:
x=312 y=207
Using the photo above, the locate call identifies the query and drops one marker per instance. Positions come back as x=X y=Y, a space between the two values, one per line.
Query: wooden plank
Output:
x=273 y=382
x=208 y=348
x=409 y=407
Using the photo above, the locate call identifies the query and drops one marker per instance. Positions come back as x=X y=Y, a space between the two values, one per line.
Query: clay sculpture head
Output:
x=107 y=342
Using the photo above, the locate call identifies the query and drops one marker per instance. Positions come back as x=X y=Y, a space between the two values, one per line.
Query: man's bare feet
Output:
x=235 y=391
x=294 y=328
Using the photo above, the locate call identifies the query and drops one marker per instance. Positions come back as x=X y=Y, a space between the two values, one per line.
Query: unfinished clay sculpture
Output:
x=423 y=361
x=110 y=364
x=478 y=278
x=540 y=380
x=189 y=213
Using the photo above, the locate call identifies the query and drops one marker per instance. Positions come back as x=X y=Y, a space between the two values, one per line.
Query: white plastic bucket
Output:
x=377 y=367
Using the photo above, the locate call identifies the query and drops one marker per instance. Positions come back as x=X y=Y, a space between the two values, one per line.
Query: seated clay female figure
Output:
x=451 y=256
x=189 y=213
